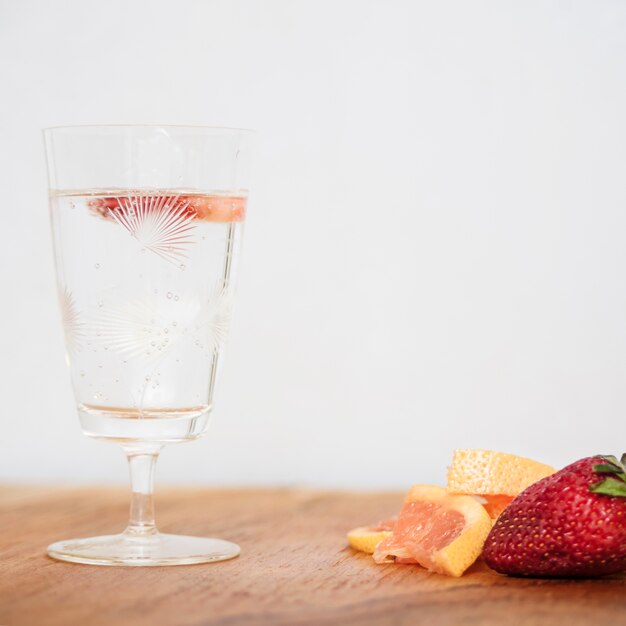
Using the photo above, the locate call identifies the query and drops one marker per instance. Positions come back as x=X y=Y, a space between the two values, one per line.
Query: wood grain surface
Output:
x=295 y=568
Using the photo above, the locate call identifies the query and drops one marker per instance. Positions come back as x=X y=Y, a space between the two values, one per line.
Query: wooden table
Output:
x=295 y=568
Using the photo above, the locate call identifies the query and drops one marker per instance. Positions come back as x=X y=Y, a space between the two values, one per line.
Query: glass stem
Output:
x=142 y=462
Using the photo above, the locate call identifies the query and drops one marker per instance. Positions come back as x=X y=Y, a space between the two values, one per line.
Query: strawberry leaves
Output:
x=605 y=468
x=614 y=485
x=610 y=487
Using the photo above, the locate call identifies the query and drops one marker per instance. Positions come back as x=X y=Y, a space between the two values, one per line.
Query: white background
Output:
x=434 y=254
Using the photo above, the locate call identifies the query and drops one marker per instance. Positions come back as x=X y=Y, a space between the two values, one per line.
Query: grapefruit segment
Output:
x=494 y=505
x=441 y=531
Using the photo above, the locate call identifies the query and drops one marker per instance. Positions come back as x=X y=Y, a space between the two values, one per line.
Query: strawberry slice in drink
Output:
x=205 y=207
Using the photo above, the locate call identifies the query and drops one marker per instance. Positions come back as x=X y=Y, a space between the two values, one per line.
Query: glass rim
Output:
x=198 y=127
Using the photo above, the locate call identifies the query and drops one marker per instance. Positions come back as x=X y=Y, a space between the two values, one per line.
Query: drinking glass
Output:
x=147 y=224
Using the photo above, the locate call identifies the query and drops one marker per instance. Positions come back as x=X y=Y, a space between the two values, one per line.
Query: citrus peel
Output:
x=490 y=473
x=364 y=539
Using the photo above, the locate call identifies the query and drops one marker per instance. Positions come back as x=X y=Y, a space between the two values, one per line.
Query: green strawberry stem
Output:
x=608 y=469
x=610 y=487
x=614 y=485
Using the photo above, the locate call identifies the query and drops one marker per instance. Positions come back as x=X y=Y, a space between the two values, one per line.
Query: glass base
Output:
x=156 y=549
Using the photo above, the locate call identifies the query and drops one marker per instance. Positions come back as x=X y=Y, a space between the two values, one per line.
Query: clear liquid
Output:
x=145 y=282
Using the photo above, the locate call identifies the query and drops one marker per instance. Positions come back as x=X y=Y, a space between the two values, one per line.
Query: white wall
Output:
x=435 y=247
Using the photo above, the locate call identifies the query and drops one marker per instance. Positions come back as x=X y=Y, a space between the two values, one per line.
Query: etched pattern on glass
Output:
x=73 y=327
x=148 y=328
x=132 y=328
x=161 y=224
x=217 y=317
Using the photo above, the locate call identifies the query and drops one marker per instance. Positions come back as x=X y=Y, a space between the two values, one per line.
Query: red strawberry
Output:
x=570 y=524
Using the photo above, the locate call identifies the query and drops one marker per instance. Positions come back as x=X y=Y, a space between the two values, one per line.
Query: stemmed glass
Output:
x=147 y=225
